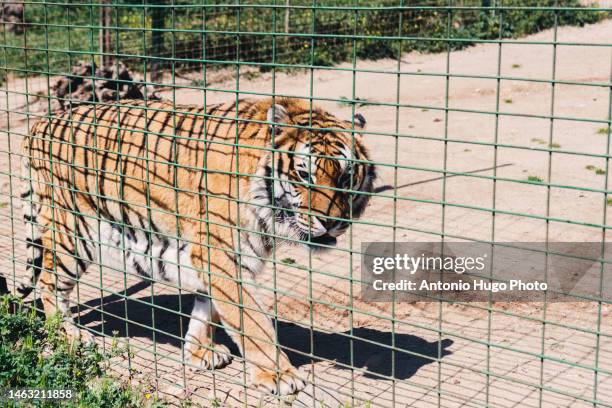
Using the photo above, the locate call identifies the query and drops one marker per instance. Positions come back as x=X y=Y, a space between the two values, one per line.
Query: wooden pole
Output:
x=105 y=35
x=287 y=16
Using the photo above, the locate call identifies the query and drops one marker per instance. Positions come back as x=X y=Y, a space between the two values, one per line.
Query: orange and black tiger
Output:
x=192 y=195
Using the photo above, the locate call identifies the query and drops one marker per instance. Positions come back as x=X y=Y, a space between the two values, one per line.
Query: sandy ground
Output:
x=447 y=355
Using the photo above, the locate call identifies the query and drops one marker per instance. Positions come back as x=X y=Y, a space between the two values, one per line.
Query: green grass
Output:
x=508 y=101
x=542 y=142
x=602 y=131
x=535 y=179
x=250 y=75
x=358 y=102
x=609 y=201
x=516 y=66
x=288 y=261
x=597 y=170
x=200 y=83
x=36 y=354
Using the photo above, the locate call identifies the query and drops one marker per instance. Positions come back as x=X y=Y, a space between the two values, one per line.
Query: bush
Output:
x=35 y=354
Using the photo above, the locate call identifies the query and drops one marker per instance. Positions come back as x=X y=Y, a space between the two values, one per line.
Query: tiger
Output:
x=196 y=196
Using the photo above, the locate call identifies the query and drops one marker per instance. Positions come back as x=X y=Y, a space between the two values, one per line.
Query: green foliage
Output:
x=535 y=179
x=602 y=130
x=35 y=354
x=359 y=102
x=188 y=35
x=288 y=261
x=597 y=170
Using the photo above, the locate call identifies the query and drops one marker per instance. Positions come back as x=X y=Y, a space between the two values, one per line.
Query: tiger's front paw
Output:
x=285 y=382
x=213 y=356
x=75 y=335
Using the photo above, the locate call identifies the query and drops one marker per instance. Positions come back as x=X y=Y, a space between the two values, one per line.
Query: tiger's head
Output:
x=319 y=176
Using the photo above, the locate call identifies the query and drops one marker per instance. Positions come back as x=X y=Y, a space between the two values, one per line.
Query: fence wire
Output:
x=487 y=122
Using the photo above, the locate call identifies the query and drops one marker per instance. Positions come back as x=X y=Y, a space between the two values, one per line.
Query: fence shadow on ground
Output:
x=370 y=347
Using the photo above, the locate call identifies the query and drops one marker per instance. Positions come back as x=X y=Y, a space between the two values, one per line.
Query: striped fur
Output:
x=171 y=185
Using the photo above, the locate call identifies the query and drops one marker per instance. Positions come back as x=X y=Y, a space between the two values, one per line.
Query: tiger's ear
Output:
x=360 y=121
x=277 y=114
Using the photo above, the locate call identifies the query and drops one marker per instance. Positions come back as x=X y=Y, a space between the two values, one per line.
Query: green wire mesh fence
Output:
x=136 y=129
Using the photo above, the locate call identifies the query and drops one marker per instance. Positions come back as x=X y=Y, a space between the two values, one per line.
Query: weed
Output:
x=200 y=83
x=598 y=170
x=359 y=102
x=250 y=75
x=535 y=179
x=515 y=66
x=288 y=261
x=602 y=131
x=508 y=101
x=36 y=354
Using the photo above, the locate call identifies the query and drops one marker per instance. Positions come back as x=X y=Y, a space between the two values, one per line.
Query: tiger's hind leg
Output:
x=61 y=269
x=199 y=339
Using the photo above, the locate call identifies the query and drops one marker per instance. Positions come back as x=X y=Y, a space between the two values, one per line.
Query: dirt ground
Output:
x=455 y=355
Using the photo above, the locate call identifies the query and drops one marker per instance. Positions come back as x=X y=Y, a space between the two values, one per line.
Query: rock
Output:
x=12 y=15
x=87 y=83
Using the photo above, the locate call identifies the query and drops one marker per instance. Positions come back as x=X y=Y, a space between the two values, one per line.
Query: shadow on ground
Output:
x=157 y=317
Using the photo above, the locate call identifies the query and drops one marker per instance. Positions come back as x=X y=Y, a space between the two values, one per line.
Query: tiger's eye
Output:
x=303 y=175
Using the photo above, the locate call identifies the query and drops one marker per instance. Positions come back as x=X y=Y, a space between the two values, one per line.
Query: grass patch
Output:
x=35 y=354
x=200 y=83
x=508 y=101
x=288 y=261
x=359 y=102
x=535 y=179
x=250 y=75
x=609 y=201
x=516 y=66
x=597 y=170
x=602 y=131
x=544 y=142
